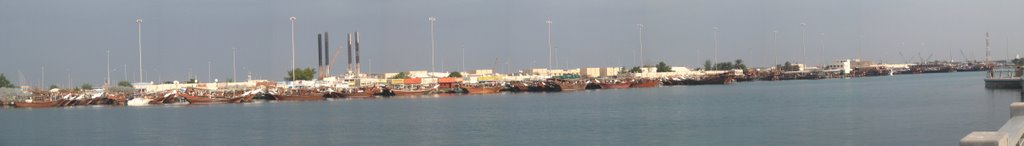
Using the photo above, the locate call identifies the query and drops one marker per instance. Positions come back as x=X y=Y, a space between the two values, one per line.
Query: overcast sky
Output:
x=184 y=35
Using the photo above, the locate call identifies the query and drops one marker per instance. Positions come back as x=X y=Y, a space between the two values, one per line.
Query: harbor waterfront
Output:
x=919 y=109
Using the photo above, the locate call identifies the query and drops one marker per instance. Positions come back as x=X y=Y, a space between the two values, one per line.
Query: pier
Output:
x=1010 y=134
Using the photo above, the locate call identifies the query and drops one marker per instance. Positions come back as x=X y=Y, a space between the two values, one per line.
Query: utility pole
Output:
x=775 y=49
x=234 y=70
x=550 y=49
x=293 y=47
x=803 y=41
x=714 y=65
x=641 y=26
x=139 y=21
x=107 y=81
x=432 y=19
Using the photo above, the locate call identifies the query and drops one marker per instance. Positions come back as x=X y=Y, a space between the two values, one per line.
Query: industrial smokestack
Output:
x=327 y=56
x=320 y=56
x=349 y=69
x=358 y=67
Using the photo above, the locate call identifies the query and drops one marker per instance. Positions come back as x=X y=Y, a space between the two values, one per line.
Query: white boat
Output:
x=139 y=101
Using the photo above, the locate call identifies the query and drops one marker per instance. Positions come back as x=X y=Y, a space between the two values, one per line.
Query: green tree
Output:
x=54 y=87
x=739 y=64
x=401 y=75
x=724 y=65
x=707 y=65
x=300 y=74
x=192 y=81
x=635 y=69
x=124 y=84
x=86 y=86
x=662 y=67
x=4 y=83
x=455 y=74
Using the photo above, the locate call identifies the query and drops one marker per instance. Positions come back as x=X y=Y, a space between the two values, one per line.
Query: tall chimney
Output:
x=358 y=67
x=327 y=56
x=319 y=55
x=349 y=69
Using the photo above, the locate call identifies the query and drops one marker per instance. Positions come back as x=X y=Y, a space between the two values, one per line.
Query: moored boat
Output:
x=622 y=85
x=564 y=85
x=361 y=92
x=482 y=89
x=36 y=104
x=644 y=83
x=193 y=99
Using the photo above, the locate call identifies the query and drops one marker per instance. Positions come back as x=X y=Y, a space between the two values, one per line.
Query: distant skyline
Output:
x=182 y=36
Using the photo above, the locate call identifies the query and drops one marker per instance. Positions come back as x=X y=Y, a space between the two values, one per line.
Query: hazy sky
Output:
x=184 y=35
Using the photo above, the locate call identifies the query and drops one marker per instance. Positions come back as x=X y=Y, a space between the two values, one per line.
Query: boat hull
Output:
x=615 y=86
x=569 y=86
x=206 y=100
x=645 y=84
x=300 y=97
x=482 y=90
x=409 y=92
x=44 y=104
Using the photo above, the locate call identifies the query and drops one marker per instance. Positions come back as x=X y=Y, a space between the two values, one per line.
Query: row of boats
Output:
x=39 y=99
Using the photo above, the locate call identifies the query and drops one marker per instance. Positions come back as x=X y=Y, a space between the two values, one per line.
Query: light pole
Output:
x=107 y=81
x=775 y=39
x=139 y=21
x=803 y=41
x=292 y=19
x=825 y=61
x=234 y=73
x=641 y=26
x=713 y=66
x=550 y=49
x=209 y=71
x=432 y=19
x=463 y=67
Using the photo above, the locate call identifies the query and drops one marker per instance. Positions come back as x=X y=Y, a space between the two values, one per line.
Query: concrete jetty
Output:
x=1009 y=134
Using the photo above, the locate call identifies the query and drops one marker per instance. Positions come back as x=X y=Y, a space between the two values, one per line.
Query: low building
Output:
x=610 y=71
x=591 y=72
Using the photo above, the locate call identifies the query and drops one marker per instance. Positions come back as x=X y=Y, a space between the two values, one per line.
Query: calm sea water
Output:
x=927 y=109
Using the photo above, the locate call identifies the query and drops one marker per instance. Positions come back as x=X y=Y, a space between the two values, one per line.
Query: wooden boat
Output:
x=206 y=100
x=118 y=99
x=301 y=97
x=482 y=89
x=410 y=92
x=36 y=104
x=570 y=85
x=717 y=80
x=644 y=84
x=623 y=85
x=363 y=93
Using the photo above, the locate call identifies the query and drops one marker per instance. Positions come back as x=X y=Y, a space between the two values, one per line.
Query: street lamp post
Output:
x=432 y=19
x=139 y=22
x=234 y=73
x=641 y=26
x=292 y=19
x=716 y=49
x=775 y=39
x=550 y=48
x=803 y=41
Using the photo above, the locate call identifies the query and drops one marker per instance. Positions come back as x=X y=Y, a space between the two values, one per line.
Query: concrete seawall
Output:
x=1009 y=134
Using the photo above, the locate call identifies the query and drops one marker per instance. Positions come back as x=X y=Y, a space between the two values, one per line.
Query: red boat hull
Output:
x=615 y=86
x=645 y=84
